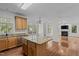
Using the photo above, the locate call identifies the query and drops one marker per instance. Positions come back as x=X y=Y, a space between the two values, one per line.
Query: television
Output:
x=64 y=27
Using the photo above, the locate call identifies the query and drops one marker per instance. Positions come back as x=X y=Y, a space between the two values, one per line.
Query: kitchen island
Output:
x=36 y=47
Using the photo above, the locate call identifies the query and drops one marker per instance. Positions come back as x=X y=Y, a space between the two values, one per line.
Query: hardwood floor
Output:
x=72 y=49
x=12 y=52
x=53 y=47
x=18 y=51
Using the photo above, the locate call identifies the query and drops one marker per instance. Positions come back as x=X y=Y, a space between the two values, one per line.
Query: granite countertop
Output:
x=13 y=35
x=38 y=41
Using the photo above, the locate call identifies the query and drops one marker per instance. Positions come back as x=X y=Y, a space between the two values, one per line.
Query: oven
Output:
x=64 y=33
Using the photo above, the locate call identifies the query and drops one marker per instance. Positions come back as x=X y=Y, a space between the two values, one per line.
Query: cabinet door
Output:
x=25 y=50
x=19 y=41
x=3 y=44
x=12 y=42
x=25 y=47
x=31 y=48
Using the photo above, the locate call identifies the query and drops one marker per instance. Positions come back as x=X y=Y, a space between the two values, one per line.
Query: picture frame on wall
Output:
x=74 y=29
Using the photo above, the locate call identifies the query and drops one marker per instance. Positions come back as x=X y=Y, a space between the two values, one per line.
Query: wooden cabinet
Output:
x=25 y=50
x=25 y=46
x=9 y=42
x=19 y=41
x=3 y=43
x=31 y=48
x=21 y=23
x=12 y=42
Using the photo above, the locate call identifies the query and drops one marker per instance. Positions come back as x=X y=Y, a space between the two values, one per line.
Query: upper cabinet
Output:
x=20 y=23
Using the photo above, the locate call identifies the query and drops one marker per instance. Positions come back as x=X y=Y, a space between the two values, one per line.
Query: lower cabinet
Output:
x=9 y=42
x=24 y=49
x=29 y=48
x=3 y=44
x=19 y=41
x=12 y=42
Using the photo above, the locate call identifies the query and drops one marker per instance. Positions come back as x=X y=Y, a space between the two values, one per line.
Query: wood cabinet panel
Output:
x=25 y=50
x=9 y=42
x=34 y=49
x=19 y=41
x=12 y=42
x=3 y=44
x=31 y=48
x=25 y=47
x=44 y=48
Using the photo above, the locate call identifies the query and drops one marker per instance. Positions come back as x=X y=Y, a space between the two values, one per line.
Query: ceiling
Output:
x=43 y=9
